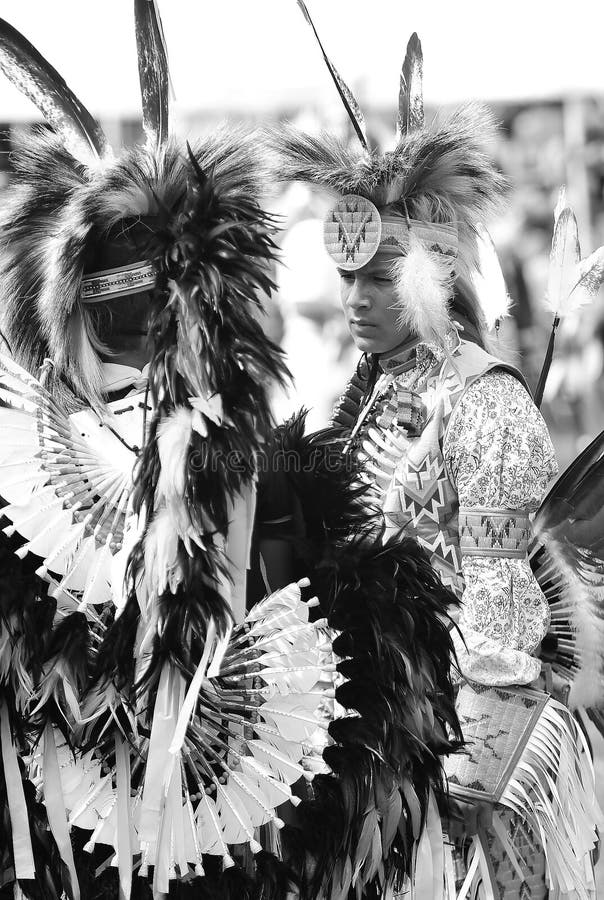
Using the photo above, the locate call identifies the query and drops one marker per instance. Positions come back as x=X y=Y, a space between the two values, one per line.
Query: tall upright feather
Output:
x=572 y=283
x=564 y=258
x=411 y=95
x=34 y=76
x=350 y=104
x=152 y=70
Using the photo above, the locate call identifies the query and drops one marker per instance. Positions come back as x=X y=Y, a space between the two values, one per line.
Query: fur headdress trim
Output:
x=441 y=174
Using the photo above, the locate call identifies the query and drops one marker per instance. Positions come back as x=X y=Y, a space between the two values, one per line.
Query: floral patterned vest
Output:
x=412 y=405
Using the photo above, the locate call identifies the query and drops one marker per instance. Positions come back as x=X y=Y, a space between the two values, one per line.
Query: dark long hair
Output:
x=465 y=310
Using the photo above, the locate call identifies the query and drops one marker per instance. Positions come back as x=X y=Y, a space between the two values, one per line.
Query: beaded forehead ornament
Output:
x=354 y=230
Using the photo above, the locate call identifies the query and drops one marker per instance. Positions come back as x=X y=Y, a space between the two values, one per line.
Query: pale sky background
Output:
x=260 y=54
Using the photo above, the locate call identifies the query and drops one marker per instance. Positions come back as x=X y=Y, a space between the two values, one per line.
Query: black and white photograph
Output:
x=301 y=450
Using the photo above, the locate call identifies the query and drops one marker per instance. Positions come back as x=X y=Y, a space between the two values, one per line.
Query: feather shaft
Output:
x=547 y=362
x=153 y=70
x=411 y=100
x=350 y=104
x=40 y=82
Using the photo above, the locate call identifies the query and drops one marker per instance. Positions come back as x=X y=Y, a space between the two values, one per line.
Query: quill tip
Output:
x=414 y=44
x=561 y=203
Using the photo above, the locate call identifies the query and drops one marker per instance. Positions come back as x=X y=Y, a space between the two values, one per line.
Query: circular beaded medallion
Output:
x=352 y=232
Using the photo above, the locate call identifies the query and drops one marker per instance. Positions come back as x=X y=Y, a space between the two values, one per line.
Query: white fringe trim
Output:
x=553 y=790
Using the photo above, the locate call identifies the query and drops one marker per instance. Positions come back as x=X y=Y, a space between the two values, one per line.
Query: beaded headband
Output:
x=354 y=230
x=118 y=282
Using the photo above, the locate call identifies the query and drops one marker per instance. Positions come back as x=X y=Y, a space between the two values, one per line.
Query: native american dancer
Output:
x=456 y=454
x=156 y=732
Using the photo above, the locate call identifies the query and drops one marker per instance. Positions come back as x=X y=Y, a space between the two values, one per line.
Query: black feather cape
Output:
x=390 y=609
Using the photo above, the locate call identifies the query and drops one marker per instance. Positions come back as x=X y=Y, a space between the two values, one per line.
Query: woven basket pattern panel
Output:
x=496 y=724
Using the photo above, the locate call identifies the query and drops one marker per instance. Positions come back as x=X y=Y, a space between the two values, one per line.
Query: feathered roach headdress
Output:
x=79 y=225
x=423 y=200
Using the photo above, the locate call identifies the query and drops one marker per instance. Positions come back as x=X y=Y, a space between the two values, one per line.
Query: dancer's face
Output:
x=369 y=303
x=122 y=324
